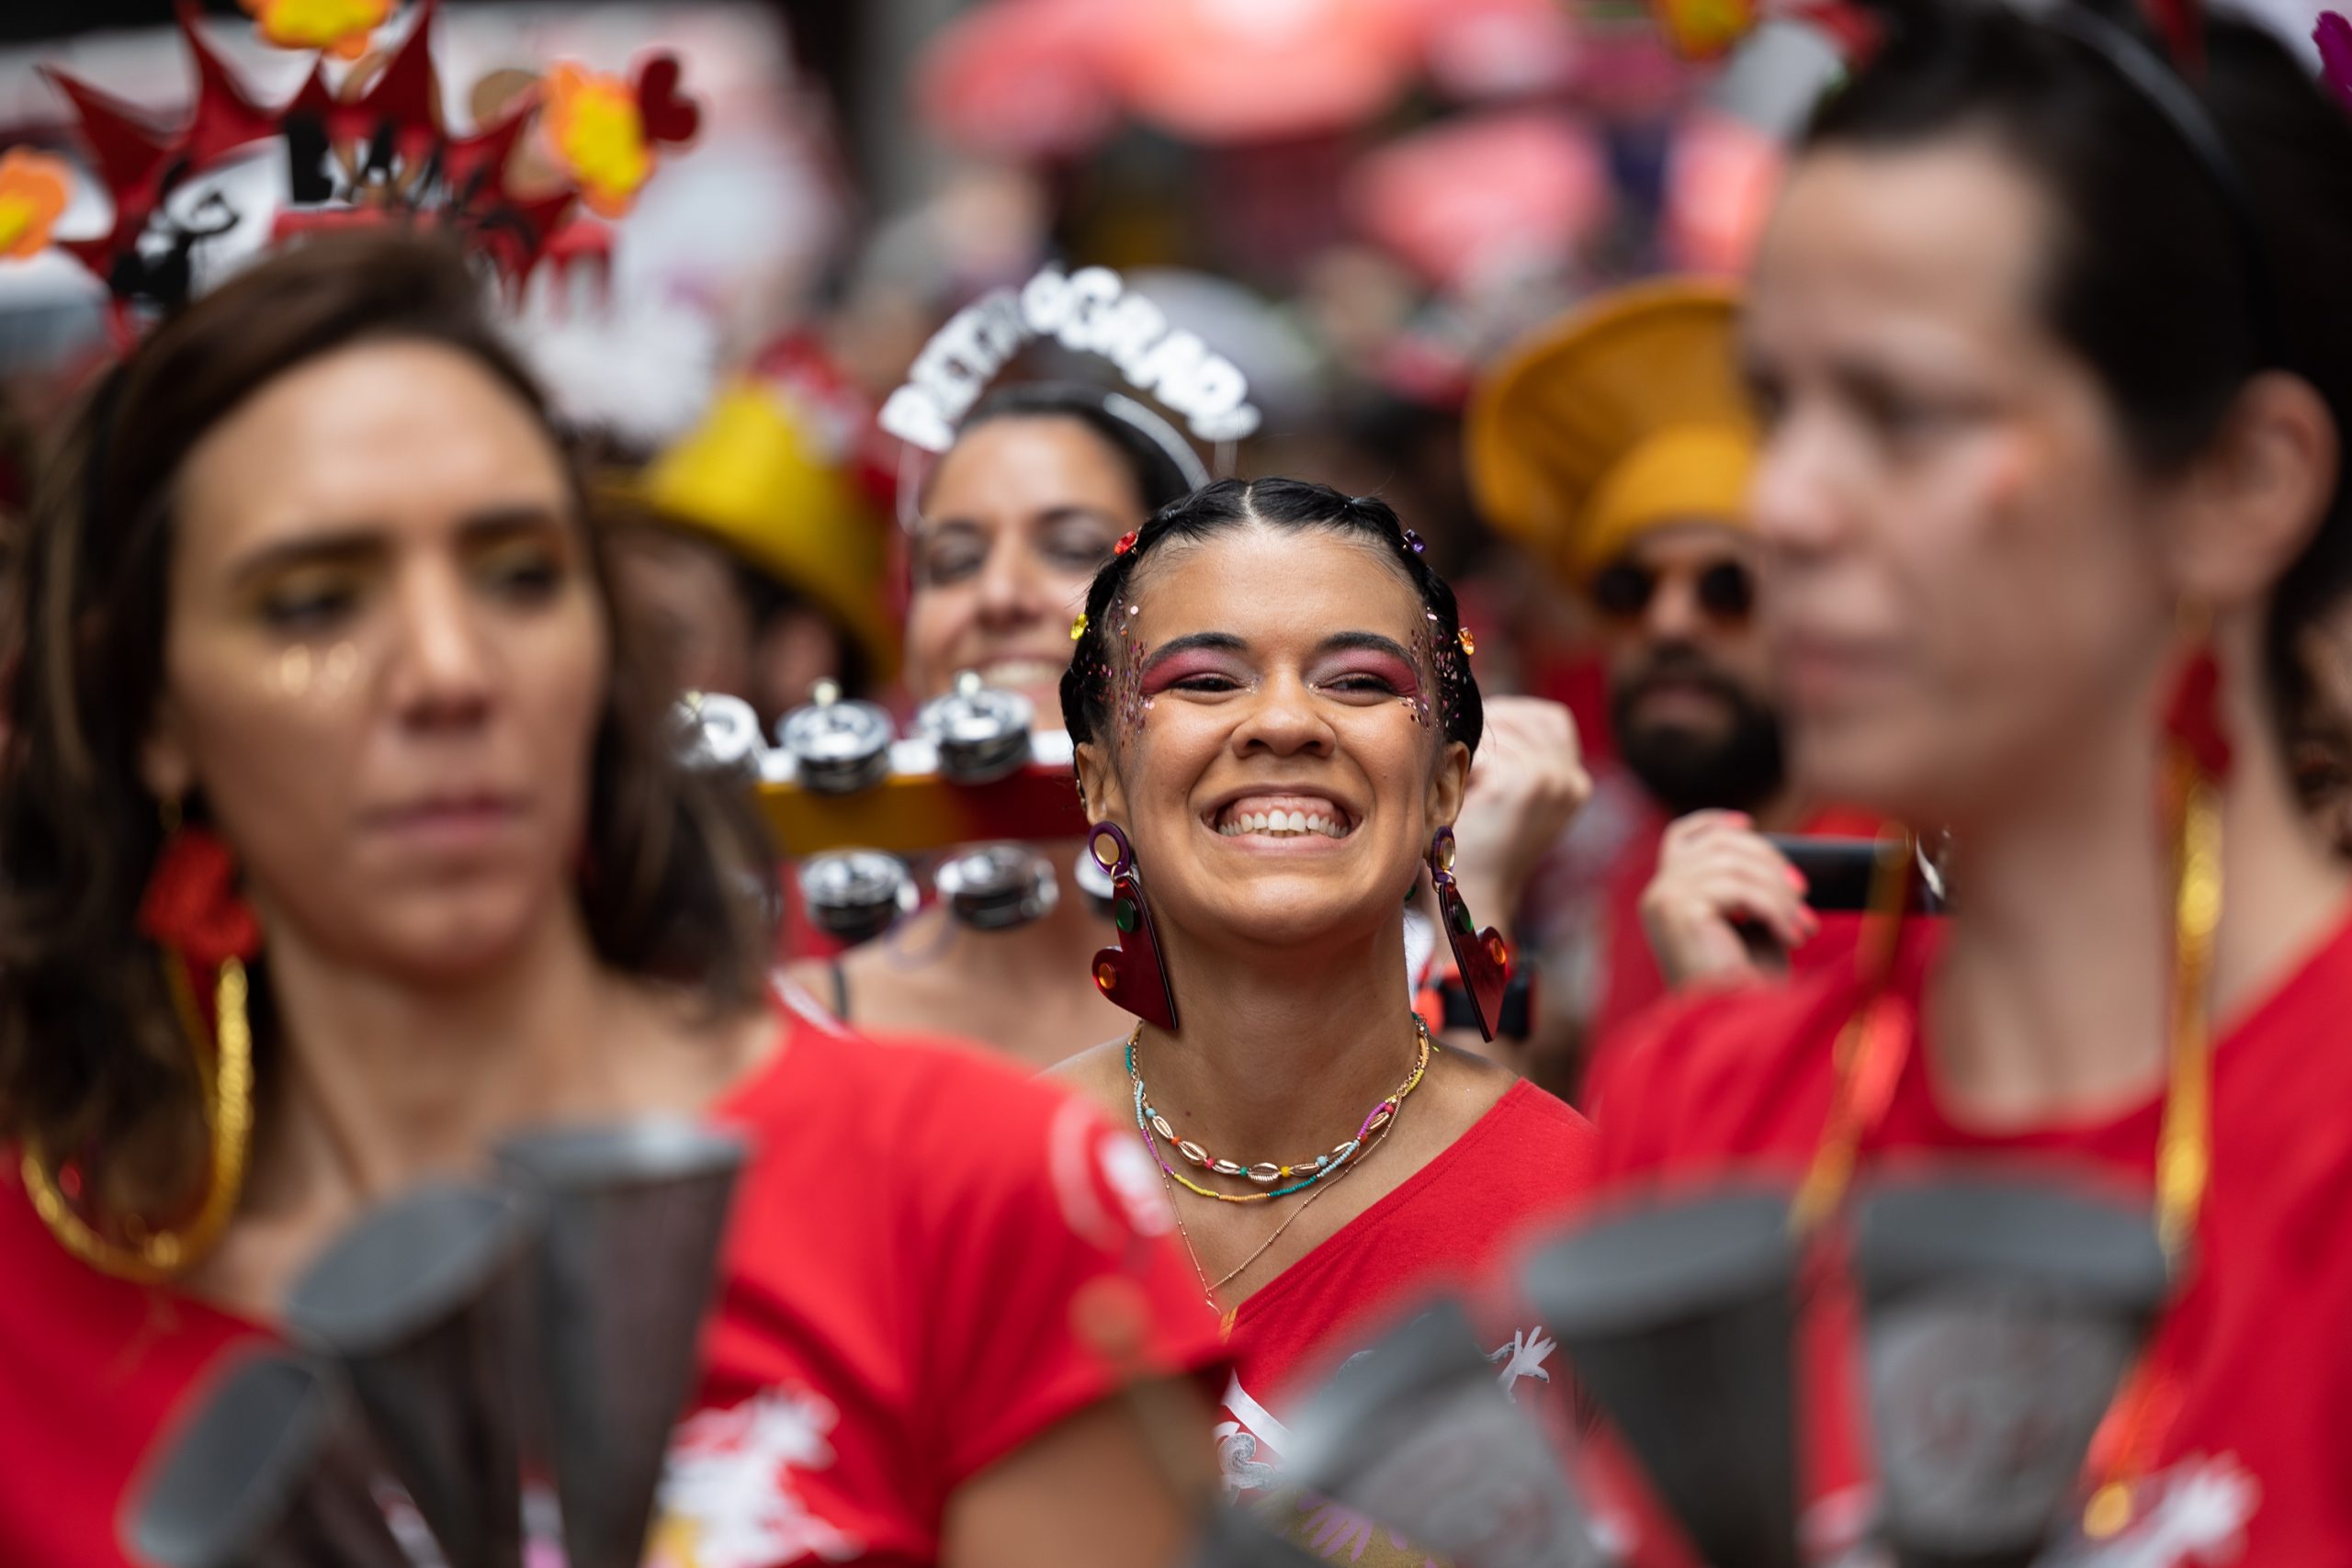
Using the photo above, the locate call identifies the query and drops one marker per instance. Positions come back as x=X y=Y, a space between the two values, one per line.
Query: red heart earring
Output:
x=1133 y=974
x=1482 y=958
x=667 y=115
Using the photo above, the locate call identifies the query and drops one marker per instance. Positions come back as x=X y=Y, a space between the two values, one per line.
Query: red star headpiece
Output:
x=377 y=156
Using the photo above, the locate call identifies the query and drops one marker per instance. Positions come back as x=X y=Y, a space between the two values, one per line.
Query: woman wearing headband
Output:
x=1275 y=715
x=1010 y=525
x=2053 y=355
x=340 y=840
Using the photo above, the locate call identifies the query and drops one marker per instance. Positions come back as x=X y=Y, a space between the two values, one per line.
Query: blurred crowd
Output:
x=484 y=485
x=1362 y=206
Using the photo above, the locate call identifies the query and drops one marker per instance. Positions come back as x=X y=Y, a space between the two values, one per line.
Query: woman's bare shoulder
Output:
x=1099 y=1072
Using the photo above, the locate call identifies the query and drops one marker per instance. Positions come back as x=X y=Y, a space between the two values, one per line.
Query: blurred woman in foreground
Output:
x=2051 y=497
x=337 y=816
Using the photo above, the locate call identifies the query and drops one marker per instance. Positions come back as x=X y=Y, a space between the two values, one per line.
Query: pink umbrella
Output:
x=1049 y=77
x=1499 y=49
x=1720 y=182
x=1477 y=198
x=1022 y=78
x=1227 y=71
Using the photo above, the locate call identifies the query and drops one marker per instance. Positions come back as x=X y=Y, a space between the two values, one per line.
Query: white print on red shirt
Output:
x=728 y=1499
x=1241 y=1443
x=1089 y=1162
x=2192 y=1516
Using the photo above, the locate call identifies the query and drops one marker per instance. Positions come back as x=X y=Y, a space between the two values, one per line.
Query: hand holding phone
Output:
x=1841 y=874
x=1724 y=904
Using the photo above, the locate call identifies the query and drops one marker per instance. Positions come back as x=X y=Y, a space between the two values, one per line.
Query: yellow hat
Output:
x=752 y=476
x=1625 y=415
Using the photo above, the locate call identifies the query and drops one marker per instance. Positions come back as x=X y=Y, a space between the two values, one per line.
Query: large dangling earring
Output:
x=2197 y=763
x=206 y=932
x=1133 y=974
x=1482 y=958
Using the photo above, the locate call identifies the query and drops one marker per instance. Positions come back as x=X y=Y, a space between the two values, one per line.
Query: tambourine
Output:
x=849 y=798
x=838 y=777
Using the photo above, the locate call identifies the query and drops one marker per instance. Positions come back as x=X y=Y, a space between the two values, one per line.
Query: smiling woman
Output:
x=341 y=841
x=1274 y=705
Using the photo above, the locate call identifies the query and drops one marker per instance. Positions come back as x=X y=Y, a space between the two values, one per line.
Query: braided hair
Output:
x=1087 y=685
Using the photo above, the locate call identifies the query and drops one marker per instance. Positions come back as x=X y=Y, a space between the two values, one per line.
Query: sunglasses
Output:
x=1725 y=591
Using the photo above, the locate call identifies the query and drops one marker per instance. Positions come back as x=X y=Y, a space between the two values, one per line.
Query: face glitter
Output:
x=1122 y=650
x=294 y=671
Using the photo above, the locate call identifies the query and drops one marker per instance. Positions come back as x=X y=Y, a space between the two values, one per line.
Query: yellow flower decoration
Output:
x=33 y=190
x=599 y=137
x=1078 y=626
x=1704 y=29
x=340 y=28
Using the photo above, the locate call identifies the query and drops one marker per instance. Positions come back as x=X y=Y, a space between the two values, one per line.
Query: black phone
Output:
x=1838 y=874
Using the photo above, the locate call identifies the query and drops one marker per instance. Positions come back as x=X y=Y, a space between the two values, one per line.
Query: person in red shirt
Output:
x=1011 y=524
x=1272 y=701
x=1617 y=443
x=2051 y=497
x=324 y=725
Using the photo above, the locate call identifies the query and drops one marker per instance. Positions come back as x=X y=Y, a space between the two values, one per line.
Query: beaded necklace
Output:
x=1149 y=1122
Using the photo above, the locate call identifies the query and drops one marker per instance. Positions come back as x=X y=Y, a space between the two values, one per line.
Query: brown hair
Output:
x=92 y=1064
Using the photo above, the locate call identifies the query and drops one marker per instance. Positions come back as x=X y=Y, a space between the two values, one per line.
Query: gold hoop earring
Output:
x=193 y=915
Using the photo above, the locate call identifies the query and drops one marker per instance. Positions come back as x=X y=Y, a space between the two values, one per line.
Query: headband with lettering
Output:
x=1092 y=312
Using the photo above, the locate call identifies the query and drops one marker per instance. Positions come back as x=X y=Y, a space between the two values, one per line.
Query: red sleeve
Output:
x=1630 y=981
x=1064 y=1215
x=91 y=1369
x=1632 y=1090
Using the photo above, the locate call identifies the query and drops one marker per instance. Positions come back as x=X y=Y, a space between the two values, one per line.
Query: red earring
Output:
x=1482 y=958
x=192 y=905
x=190 y=909
x=2193 y=716
x=1133 y=974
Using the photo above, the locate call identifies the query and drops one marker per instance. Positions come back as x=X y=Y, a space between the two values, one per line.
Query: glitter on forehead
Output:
x=1440 y=658
x=1425 y=650
x=1123 y=655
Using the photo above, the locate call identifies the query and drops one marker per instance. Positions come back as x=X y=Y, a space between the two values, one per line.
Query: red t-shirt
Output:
x=895 y=1317
x=1447 y=1228
x=1630 y=979
x=2255 y=1464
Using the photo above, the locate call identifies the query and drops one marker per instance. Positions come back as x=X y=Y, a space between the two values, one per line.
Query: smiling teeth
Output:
x=1279 y=824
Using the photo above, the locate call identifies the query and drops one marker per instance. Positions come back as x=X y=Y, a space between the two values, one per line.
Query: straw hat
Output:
x=1625 y=415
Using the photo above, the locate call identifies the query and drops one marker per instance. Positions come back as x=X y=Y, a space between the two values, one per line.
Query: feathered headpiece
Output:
x=371 y=149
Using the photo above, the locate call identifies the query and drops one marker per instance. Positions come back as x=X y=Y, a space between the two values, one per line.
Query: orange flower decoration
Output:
x=33 y=190
x=339 y=26
x=599 y=137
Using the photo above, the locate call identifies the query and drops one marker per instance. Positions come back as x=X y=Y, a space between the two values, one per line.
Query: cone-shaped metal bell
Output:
x=623 y=1271
x=1680 y=1320
x=1416 y=1432
x=420 y=1303
x=265 y=1474
x=1999 y=1320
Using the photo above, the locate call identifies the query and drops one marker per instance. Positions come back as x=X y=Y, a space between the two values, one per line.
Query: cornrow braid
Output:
x=1087 y=685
